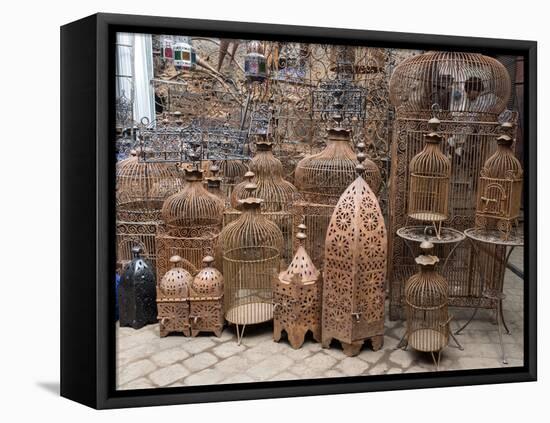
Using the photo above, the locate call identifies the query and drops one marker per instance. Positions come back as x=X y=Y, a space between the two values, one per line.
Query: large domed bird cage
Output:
x=467 y=92
x=141 y=188
x=192 y=222
x=355 y=270
x=277 y=194
x=249 y=251
x=499 y=191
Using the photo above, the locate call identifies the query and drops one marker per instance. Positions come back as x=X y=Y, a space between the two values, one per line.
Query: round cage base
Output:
x=250 y=314
x=428 y=216
x=427 y=340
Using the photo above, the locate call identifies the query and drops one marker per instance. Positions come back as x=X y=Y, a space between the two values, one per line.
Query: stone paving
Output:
x=146 y=361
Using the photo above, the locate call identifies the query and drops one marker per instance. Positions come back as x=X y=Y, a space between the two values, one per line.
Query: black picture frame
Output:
x=87 y=212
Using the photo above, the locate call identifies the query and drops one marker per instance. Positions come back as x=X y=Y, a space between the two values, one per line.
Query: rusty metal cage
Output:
x=355 y=270
x=192 y=220
x=499 y=191
x=468 y=93
x=249 y=249
x=297 y=297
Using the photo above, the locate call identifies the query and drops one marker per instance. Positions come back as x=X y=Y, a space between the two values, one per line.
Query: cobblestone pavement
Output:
x=145 y=360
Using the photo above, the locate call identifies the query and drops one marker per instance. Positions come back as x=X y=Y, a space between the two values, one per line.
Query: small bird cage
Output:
x=277 y=194
x=297 y=298
x=192 y=222
x=232 y=171
x=249 y=248
x=255 y=67
x=426 y=306
x=499 y=192
x=355 y=270
x=141 y=188
x=136 y=293
x=206 y=300
x=429 y=174
x=173 y=298
x=214 y=184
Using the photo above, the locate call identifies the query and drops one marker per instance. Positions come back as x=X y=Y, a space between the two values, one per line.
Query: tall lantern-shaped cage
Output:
x=232 y=172
x=141 y=188
x=429 y=174
x=249 y=251
x=468 y=93
x=499 y=192
x=277 y=194
x=192 y=220
x=355 y=270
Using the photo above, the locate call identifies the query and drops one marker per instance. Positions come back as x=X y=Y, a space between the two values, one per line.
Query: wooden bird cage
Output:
x=173 y=297
x=277 y=194
x=141 y=188
x=499 y=191
x=297 y=298
x=206 y=300
x=426 y=306
x=192 y=222
x=355 y=270
x=429 y=175
x=467 y=92
x=249 y=250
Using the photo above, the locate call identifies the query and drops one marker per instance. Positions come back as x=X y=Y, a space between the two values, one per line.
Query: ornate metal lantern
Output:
x=192 y=222
x=249 y=248
x=468 y=93
x=184 y=56
x=355 y=269
x=136 y=293
x=206 y=300
x=141 y=188
x=426 y=300
x=173 y=298
x=255 y=67
x=499 y=191
x=429 y=173
x=297 y=298
x=277 y=193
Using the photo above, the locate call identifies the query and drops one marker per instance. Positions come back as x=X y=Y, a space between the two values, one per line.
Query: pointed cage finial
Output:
x=506 y=134
x=301 y=235
x=207 y=261
x=175 y=260
x=433 y=135
x=361 y=157
x=214 y=169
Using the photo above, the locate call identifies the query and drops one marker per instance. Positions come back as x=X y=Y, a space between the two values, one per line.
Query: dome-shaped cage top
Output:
x=277 y=193
x=176 y=282
x=301 y=268
x=142 y=187
x=453 y=81
x=209 y=281
x=193 y=211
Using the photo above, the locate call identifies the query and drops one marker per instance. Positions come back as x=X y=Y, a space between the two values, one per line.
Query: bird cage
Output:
x=426 y=306
x=249 y=250
x=173 y=298
x=141 y=188
x=355 y=270
x=297 y=298
x=499 y=191
x=277 y=194
x=192 y=222
x=232 y=171
x=468 y=93
x=206 y=300
x=255 y=67
x=214 y=184
x=429 y=174
x=136 y=293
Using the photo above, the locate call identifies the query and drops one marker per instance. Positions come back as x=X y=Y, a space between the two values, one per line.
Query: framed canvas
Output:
x=259 y=211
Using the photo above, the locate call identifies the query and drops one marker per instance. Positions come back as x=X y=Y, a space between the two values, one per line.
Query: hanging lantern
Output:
x=136 y=293
x=499 y=191
x=426 y=306
x=206 y=300
x=429 y=173
x=173 y=299
x=297 y=298
x=249 y=248
x=255 y=62
x=355 y=270
x=168 y=49
x=184 y=56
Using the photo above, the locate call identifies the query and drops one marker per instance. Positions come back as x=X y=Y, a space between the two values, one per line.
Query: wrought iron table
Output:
x=487 y=237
